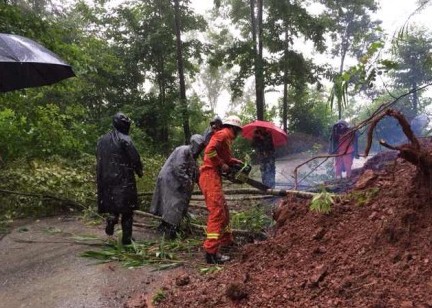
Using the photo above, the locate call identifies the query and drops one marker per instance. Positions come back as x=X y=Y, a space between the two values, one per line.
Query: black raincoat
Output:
x=117 y=161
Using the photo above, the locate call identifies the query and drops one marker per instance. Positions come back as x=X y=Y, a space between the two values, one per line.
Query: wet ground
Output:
x=308 y=174
x=40 y=266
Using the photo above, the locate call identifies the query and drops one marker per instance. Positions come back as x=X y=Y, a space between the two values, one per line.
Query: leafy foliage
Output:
x=253 y=219
x=51 y=186
x=414 y=66
x=362 y=198
x=322 y=202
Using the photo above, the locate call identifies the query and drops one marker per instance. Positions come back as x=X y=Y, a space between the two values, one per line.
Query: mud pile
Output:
x=373 y=250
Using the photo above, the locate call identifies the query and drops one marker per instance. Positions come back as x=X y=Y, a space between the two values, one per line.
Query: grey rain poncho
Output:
x=117 y=161
x=176 y=181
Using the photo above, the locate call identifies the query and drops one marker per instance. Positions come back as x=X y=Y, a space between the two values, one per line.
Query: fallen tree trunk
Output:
x=197 y=227
x=253 y=191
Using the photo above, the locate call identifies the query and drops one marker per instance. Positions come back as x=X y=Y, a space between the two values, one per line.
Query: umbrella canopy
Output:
x=25 y=64
x=278 y=135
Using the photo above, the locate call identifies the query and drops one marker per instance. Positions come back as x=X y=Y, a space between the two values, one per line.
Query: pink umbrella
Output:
x=278 y=135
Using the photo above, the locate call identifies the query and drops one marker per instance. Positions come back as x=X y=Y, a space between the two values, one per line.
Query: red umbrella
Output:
x=278 y=135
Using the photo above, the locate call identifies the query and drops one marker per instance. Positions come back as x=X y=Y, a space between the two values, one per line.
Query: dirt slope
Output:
x=377 y=254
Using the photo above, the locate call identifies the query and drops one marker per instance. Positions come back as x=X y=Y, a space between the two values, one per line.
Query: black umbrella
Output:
x=25 y=64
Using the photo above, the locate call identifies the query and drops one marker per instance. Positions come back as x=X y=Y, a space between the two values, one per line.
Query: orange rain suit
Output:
x=217 y=153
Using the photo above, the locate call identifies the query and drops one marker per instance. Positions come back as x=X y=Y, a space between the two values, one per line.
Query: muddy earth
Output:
x=373 y=250
x=40 y=266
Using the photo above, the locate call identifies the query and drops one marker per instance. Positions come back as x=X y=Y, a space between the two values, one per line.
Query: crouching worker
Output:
x=117 y=162
x=217 y=159
x=175 y=184
x=344 y=143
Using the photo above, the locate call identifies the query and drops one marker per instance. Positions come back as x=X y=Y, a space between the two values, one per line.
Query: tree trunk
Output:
x=180 y=67
x=415 y=99
x=285 y=88
x=256 y=26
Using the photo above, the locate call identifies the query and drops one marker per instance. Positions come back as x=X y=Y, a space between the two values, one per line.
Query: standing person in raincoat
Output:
x=344 y=143
x=215 y=125
x=217 y=159
x=117 y=162
x=175 y=185
x=262 y=142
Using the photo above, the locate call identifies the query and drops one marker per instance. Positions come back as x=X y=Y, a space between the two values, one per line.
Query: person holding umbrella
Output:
x=117 y=162
x=217 y=159
x=265 y=137
x=263 y=144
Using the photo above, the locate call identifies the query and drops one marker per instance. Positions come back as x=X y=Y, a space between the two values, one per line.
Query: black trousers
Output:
x=126 y=223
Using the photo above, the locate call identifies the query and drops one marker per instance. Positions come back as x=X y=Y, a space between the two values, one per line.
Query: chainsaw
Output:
x=239 y=174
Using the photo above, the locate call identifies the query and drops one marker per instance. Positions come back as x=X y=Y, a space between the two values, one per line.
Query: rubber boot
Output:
x=215 y=258
x=111 y=221
x=167 y=230
x=127 y=222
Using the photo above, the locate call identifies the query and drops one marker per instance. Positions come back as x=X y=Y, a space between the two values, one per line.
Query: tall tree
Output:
x=256 y=12
x=246 y=16
x=352 y=32
x=145 y=34
x=414 y=66
x=180 y=67
x=212 y=80
x=287 y=21
x=268 y=28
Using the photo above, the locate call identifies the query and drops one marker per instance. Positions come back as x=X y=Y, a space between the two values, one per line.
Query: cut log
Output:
x=199 y=227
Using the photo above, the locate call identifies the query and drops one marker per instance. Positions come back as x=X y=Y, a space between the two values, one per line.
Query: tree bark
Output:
x=285 y=87
x=415 y=99
x=256 y=29
x=180 y=67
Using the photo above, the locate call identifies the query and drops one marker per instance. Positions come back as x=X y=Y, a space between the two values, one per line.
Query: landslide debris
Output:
x=372 y=250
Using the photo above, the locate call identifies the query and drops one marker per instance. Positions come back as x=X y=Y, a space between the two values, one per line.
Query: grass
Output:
x=254 y=219
x=160 y=254
x=159 y=296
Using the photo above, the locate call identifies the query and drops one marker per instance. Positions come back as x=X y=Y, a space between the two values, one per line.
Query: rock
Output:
x=318 y=276
x=373 y=216
x=236 y=291
x=365 y=179
x=182 y=280
x=136 y=302
x=320 y=250
x=319 y=234
x=406 y=304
